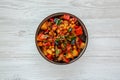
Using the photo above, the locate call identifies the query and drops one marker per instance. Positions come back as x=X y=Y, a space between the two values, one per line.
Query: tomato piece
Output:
x=47 y=31
x=68 y=47
x=51 y=19
x=41 y=37
x=76 y=27
x=79 y=31
x=53 y=43
x=46 y=44
x=66 y=60
x=66 y=16
x=73 y=19
x=80 y=41
x=54 y=27
x=49 y=56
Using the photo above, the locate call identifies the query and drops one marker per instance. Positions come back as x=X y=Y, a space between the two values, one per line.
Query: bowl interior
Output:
x=85 y=37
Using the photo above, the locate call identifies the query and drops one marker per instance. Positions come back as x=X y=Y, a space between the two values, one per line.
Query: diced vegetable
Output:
x=68 y=47
x=46 y=31
x=49 y=56
x=70 y=29
x=78 y=42
x=73 y=40
x=45 y=25
x=58 y=31
x=66 y=23
x=79 y=31
x=60 y=57
x=54 y=27
x=41 y=37
x=58 y=39
x=51 y=19
x=82 y=45
x=57 y=21
x=39 y=44
x=49 y=51
x=57 y=51
x=68 y=38
x=44 y=50
x=73 y=20
x=74 y=47
x=66 y=60
x=69 y=55
x=50 y=33
x=46 y=44
x=76 y=27
x=56 y=42
x=53 y=43
x=66 y=16
x=64 y=44
x=75 y=53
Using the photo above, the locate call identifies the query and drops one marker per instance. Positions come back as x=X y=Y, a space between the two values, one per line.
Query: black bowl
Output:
x=85 y=37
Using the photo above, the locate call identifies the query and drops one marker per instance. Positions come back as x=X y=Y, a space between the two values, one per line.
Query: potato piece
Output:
x=50 y=39
x=50 y=47
x=49 y=51
x=53 y=50
x=66 y=60
x=39 y=43
x=62 y=46
x=61 y=28
x=45 y=25
x=61 y=25
x=44 y=50
x=60 y=57
x=69 y=55
x=75 y=53
x=72 y=25
x=58 y=31
x=82 y=45
x=54 y=34
x=65 y=23
x=51 y=33
x=65 y=31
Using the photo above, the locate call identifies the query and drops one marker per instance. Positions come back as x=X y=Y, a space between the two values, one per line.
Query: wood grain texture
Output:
x=20 y=60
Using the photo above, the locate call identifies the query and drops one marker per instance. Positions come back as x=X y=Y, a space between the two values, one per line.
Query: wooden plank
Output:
x=84 y=9
x=84 y=68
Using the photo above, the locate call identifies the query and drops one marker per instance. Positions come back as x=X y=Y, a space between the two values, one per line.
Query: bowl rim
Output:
x=57 y=14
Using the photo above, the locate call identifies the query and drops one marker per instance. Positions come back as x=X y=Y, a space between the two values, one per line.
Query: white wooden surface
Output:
x=20 y=60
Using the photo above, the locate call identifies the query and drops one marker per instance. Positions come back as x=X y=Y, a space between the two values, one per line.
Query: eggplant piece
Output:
x=73 y=39
x=83 y=37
